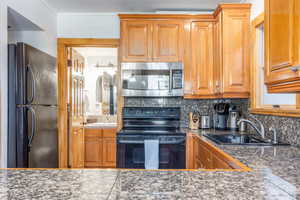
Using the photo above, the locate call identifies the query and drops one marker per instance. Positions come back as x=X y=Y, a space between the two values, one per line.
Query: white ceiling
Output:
x=134 y=5
x=16 y=22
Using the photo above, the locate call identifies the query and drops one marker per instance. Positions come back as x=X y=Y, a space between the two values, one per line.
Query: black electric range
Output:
x=143 y=123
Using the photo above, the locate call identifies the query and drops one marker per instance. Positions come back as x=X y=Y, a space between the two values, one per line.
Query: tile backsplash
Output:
x=186 y=105
x=288 y=128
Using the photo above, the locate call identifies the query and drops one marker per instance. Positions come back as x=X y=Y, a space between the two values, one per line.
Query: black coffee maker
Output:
x=221 y=117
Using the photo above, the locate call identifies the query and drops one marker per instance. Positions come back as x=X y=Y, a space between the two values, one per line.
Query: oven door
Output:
x=131 y=153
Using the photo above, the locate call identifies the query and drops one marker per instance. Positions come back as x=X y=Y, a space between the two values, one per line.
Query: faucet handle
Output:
x=275 y=135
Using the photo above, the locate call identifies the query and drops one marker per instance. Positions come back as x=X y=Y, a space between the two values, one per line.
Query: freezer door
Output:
x=41 y=77
x=22 y=136
x=12 y=131
x=43 y=151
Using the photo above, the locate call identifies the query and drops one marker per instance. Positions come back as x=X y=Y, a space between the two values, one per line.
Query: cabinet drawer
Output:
x=109 y=133
x=93 y=132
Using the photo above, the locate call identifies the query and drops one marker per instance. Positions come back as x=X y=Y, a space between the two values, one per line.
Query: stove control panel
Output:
x=151 y=112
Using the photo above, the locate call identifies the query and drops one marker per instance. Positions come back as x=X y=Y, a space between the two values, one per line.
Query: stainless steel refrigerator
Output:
x=32 y=118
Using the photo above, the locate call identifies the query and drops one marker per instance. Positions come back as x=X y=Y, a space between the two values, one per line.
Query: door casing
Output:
x=62 y=64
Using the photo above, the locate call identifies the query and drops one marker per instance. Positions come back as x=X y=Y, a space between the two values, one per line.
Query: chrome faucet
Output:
x=275 y=135
x=260 y=131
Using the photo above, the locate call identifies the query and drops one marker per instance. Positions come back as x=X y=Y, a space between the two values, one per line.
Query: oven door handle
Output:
x=173 y=142
x=142 y=142
x=130 y=142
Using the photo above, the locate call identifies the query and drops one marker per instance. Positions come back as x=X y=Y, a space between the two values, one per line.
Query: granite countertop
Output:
x=275 y=175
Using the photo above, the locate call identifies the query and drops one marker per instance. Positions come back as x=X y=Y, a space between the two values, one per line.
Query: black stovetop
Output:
x=151 y=121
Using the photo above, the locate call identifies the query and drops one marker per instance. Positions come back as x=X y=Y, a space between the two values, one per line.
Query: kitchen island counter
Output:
x=275 y=175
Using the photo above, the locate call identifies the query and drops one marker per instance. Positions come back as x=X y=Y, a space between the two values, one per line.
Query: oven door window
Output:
x=146 y=79
x=133 y=156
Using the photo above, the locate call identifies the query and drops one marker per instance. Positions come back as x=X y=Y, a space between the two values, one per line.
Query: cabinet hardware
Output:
x=295 y=69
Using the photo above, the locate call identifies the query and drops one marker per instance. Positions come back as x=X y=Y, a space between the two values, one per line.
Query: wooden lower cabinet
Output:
x=109 y=152
x=201 y=155
x=93 y=147
x=100 y=148
x=77 y=148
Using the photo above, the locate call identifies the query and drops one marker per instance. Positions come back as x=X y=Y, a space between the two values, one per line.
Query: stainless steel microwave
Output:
x=152 y=79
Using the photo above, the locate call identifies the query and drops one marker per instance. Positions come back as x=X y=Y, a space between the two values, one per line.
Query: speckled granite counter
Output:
x=275 y=175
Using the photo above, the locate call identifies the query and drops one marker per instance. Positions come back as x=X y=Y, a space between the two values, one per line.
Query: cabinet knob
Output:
x=295 y=69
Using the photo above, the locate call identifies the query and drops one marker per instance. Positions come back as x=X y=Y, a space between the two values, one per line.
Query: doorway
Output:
x=88 y=80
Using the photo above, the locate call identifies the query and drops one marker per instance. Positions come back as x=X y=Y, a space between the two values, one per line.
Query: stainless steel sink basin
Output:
x=236 y=139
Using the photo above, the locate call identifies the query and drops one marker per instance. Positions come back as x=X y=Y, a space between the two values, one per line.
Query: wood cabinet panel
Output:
x=189 y=151
x=100 y=148
x=219 y=62
x=203 y=155
x=151 y=40
x=236 y=52
x=109 y=152
x=136 y=41
x=93 y=151
x=280 y=31
x=77 y=148
x=167 y=41
x=218 y=58
x=282 y=45
x=201 y=67
x=109 y=133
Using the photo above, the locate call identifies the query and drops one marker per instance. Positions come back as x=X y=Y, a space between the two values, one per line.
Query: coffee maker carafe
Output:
x=220 y=120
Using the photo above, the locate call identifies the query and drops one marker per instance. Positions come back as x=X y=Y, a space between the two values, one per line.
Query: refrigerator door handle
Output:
x=33 y=126
x=33 y=85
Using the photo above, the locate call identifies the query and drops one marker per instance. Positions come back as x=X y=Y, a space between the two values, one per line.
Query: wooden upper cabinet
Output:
x=151 y=40
x=136 y=41
x=282 y=44
x=167 y=41
x=201 y=66
x=217 y=55
x=235 y=67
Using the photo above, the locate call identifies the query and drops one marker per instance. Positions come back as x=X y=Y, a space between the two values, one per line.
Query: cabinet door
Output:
x=136 y=37
x=109 y=148
x=109 y=152
x=206 y=158
x=201 y=69
x=167 y=41
x=236 y=53
x=196 y=152
x=218 y=163
x=217 y=55
x=77 y=148
x=281 y=40
x=93 y=151
x=190 y=151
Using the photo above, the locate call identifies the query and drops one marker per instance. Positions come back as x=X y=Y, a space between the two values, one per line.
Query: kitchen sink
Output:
x=237 y=139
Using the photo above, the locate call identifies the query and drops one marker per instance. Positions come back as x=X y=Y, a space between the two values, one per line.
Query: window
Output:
x=263 y=102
